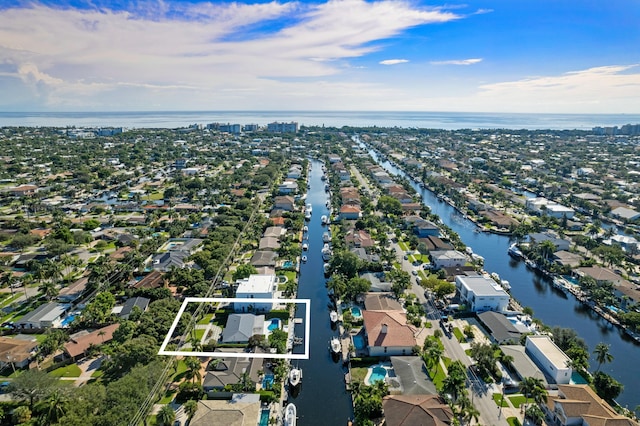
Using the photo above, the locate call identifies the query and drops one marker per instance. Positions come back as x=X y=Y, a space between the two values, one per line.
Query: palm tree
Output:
x=49 y=289
x=533 y=388
x=454 y=383
x=196 y=343
x=535 y=414
x=190 y=407
x=602 y=354
x=193 y=368
x=166 y=416
x=465 y=410
x=56 y=406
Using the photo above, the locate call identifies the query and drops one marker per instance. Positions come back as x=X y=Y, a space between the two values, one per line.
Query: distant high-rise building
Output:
x=277 y=127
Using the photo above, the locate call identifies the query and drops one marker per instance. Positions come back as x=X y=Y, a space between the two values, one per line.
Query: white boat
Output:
x=305 y=228
x=324 y=219
x=495 y=276
x=305 y=246
x=295 y=376
x=290 y=415
x=469 y=250
x=514 y=251
x=326 y=237
x=309 y=208
x=333 y=315
x=326 y=256
x=505 y=284
x=304 y=259
x=335 y=345
x=326 y=267
x=307 y=216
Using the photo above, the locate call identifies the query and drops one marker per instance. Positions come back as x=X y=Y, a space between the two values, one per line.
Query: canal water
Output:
x=322 y=399
x=550 y=305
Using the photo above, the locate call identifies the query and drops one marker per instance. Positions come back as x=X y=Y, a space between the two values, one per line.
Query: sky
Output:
x=529 y=56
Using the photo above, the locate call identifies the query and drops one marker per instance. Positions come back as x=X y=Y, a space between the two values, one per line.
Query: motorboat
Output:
x=326 y=237
x=305 y=246
x=304 y=259
x=505 y=284
x=333 y=315
x=335 y=345
x=308 y=208
x=295 y=376
x=290 y=415
x=326 y=256
x=326 y=267
x=307 y=216
x=305 y=228
x=324 y=219
x=514 y=251
x=327 y=204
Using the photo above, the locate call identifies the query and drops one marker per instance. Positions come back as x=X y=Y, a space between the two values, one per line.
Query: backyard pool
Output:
x=358 y=341
x=275 y=324
x=287 y=264
x=267 y=382
x=376 y=374
x=356 y=312
x=264 y=417
x=67 y=320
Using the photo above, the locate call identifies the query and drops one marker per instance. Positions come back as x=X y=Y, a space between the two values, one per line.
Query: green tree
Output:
x=55 y=406
x=166 y=416
x=607 y=387
x=32 y=386
x=345 y=263
x=533 y=388
x=453 y=385
x=602 y=354
x=193 y=369
x=244 y=271
x=190 y=408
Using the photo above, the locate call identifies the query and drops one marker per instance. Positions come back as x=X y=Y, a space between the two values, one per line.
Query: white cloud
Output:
x=393 y=61
x=458 y=62
x=206 y=48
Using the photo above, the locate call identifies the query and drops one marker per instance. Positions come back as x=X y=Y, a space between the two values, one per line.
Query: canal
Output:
x=550 y=305
x=322 y=399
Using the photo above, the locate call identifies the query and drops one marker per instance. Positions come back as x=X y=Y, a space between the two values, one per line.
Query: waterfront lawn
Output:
x=513 y=421
x=71 y=370
x=206 y=319
x=358 y=374
x=199 y=333
x=497 y=397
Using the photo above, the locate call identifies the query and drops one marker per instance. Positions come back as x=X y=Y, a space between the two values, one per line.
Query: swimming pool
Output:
x=275 y=323
x=264 y=417
x=358 y=341
x=287 y=264
x=376 y=374
x=267 y=382
x=356 y=312
x=65 y=322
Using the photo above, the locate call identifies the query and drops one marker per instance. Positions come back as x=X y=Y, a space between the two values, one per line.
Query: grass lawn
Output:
x=513 y=421
x=437 y=375
x=11 y=299
x=518 y=400
x=459 y=334
x=497 y=397
x=167 y=397
x=97 y=373
x=199 y=332
x=358 y=374
x=291 y=275
x=206 y=319
x=403 y=245
x=154 y=196
x=71 y=370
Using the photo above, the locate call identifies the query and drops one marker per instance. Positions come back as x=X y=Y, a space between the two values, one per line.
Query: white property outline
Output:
x=304 y=355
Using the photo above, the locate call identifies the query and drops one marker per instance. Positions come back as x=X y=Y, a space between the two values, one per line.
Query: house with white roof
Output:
x=447 y=258
x=553 y=362
x=256 y=287
x=481 y=293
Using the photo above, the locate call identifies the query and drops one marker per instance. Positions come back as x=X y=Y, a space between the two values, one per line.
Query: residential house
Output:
x=256 y=287
x=141 y=303
x=381 y=302
x=501 y=330
x=263 y=258
x=24 y=190
x=73 y=291
x=350 y=212
x=566 y=258
x=224 y=372
x=553 y=362
x=358 y=238
x=240 y=327
x=269 y=243
x=17 y=351
x=287 y=187
x=425 y=228
x=164 y=262
x=411 y=372
x=625 y=213
x=522 y=365
x=580 y=405
x=559 y=243
x=239 y=411
x=78 y=343
x=447 y=258
x=480 y=293
x=45 y=316
x=387 y=333
x=284 y=202
x=410 y=410
x=274 y=232
x=543 y=206
x=154 y=279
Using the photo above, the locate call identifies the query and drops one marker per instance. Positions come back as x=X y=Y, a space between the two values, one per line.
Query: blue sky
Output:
x=562 y=56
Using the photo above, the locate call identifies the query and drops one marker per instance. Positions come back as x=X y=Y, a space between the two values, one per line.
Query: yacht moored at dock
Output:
x=295 y=376
x=333 y=315
x=290 y=415
x=335 y=345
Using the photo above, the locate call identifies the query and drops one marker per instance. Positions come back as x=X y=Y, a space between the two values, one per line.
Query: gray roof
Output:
x=47 y=312
x=240 y=327
x=500 y=328
x=264 y=258
x=164 y=261
x=412 y=374
x=269 y=243
x=140 y=302
x=274 y=231
x=523 y=365
x=229 y=371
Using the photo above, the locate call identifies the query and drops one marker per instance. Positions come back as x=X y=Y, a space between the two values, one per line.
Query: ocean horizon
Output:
x=386 y=119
